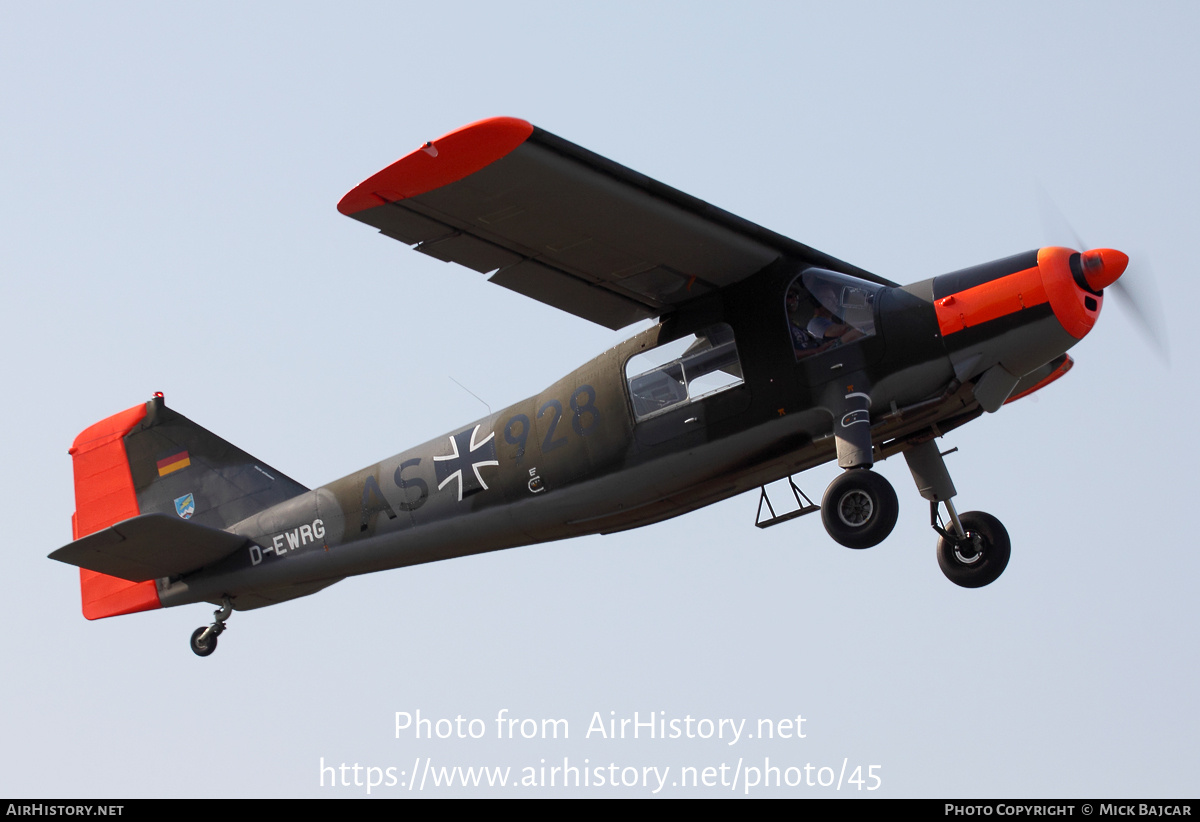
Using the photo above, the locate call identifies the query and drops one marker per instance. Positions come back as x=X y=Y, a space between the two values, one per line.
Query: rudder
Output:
x=104 y=494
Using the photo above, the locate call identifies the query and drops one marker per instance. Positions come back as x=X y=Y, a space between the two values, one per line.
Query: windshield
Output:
x=826 y=310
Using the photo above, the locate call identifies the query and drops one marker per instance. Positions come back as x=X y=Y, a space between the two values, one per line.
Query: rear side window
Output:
x=683 y=371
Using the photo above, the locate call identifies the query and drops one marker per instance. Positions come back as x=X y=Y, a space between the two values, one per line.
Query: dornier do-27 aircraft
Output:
x=768 y=358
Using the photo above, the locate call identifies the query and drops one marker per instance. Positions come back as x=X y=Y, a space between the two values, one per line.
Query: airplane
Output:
x=768 y=358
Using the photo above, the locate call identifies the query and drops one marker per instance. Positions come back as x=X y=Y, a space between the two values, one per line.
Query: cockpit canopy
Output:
x=826 y=310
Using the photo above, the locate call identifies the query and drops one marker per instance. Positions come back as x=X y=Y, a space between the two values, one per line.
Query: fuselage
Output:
x=618 y=444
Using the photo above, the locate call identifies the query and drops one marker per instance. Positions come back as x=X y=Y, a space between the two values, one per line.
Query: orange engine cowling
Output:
x=1074 y=283
x=1071 y=282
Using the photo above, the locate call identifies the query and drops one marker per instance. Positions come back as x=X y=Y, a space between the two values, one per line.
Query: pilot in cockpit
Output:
x=825 y=326
x=828 y=325
x=811 y=325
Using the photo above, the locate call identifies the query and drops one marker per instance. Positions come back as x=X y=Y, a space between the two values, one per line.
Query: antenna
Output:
x=472 y=393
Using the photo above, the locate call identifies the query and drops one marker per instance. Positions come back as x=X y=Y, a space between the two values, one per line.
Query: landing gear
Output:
x=977 y=558
x=973 y=549
x=203 y=645
x=204 y=640
x=859 y=509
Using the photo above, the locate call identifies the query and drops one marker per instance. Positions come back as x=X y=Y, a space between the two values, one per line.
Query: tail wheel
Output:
x=859 y=509
x=203 y=648
x=982 y=558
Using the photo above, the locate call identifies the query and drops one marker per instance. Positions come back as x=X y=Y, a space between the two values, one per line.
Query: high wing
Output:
x=565 y=226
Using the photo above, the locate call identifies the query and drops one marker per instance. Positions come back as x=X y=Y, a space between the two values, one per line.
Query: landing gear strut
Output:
x=859 y=508
x=204 y=640
x=974 y=548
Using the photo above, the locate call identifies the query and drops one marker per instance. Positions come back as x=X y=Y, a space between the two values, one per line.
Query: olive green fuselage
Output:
x=575 y=459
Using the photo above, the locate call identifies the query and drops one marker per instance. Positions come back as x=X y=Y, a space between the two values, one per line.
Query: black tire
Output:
x=209 y=645
x=859 y=509
x=984 y=560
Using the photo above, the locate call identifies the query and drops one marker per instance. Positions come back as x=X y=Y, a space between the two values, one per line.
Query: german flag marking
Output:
x=175 y=462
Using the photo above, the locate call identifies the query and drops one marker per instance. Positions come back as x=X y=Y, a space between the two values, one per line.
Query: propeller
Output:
x=1135 y=290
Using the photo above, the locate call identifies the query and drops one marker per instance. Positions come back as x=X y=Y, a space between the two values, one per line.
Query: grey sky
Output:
x=169 y=224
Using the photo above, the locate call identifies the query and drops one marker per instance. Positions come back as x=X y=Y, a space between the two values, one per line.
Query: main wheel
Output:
x=859 y=509
x=983 y=558
x=207 y=647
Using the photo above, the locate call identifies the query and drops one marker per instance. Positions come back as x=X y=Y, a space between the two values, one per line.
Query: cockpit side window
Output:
x=826 y=310
x=683 y=371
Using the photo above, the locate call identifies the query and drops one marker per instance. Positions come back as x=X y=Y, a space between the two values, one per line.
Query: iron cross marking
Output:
x=464 y=462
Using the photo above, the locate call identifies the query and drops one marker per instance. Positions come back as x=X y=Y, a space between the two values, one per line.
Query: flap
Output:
x=565 y=226
x=545 y=284
x=150 y=546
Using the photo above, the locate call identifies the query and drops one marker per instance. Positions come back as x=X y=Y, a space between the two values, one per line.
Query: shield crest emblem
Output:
x=185 y=506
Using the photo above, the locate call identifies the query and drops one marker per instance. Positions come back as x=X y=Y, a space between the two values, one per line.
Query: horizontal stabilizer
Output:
x=150 y=546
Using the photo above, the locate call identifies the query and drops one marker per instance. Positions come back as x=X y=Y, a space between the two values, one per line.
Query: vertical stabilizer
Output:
x=150 y=459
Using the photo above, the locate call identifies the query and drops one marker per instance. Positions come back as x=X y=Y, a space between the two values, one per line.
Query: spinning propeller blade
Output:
x=1140 y=296
x=1137 y=292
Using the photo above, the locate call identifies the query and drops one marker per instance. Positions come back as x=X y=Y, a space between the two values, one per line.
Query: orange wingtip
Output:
x=443 y=161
